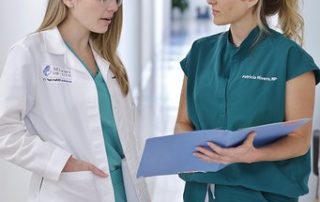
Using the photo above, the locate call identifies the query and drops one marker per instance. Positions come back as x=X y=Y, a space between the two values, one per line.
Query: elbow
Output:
x=303 y=151
x=302 y=143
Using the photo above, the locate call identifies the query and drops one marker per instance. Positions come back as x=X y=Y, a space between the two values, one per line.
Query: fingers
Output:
x=216 y=148
x=206 y=152
x=97 y=171
x=219 y=154
x=75 y=165
x=211 y=159
x=211 y=155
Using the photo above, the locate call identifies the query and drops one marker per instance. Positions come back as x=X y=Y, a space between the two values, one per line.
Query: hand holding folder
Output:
x=172 y=154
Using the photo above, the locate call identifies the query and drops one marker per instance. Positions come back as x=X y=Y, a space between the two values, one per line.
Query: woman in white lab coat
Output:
x=66 y=111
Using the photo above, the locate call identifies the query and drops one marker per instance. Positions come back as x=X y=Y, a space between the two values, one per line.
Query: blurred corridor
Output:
x=159 y=100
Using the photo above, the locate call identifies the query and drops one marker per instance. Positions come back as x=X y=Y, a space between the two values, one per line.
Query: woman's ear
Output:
x=252 y=3
x=69 y=3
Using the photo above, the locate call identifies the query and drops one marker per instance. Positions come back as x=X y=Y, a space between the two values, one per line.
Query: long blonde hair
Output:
x=290 y=20
x=105 y=44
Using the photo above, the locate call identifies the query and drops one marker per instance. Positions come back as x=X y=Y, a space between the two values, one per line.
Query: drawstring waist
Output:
x=210 y=188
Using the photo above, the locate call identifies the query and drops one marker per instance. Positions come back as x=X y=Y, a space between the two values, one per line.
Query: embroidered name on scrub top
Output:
x=259 y=78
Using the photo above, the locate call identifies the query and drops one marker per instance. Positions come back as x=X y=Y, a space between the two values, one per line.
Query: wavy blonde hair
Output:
x=290 y=20
x=105 y=44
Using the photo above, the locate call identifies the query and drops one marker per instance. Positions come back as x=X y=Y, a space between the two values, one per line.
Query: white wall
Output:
x=17 y=18
x=147 y=45
x=166 y=20
x=137 y=42
x=147 y=33
x=312 y=43
x=130 y=44
x=312 y=46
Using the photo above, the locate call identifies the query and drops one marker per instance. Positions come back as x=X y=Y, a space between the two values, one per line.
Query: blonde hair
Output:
x=290 y=20
x=105 y=44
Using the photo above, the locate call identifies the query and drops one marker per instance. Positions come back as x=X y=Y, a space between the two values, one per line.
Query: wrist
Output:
x=256 y=155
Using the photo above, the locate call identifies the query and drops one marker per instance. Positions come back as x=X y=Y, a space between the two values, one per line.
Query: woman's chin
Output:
x=219 y=22
x=100 y=30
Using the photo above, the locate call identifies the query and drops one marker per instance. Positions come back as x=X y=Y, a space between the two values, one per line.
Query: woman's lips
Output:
x=215 y=12
x=106 y=20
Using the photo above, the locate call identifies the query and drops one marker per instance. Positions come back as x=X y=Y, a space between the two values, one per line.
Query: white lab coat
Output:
x=49 y=110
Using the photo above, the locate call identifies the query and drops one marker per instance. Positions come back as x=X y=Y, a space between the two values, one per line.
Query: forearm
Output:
x=300 y=94
x=292 y=146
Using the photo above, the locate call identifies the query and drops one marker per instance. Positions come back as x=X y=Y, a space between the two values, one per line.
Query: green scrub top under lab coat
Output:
x=110 y=134
x=232 y=88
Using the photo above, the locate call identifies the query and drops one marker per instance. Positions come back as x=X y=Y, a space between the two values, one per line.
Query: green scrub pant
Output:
x=223 y=193
x=118 y=185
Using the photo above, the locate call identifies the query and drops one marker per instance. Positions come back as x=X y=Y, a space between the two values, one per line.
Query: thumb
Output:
x=250 y=138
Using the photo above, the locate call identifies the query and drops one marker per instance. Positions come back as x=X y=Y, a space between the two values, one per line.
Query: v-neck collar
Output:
x=82 y=62
x=54 y=44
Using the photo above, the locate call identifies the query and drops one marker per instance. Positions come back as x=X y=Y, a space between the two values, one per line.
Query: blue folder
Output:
x=172 y=154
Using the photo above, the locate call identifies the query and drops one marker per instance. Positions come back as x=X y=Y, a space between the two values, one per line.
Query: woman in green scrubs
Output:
x=248 y=76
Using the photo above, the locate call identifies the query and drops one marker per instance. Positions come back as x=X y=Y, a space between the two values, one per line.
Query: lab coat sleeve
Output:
x=17 y=98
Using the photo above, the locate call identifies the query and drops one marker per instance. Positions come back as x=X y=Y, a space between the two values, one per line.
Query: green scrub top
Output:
x=231 y=88
x=110 y=134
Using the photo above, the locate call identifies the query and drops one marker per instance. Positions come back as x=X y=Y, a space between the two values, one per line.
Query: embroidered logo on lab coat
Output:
x=56 y=74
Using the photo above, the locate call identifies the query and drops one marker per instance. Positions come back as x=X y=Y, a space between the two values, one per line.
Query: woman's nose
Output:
x=112 y=5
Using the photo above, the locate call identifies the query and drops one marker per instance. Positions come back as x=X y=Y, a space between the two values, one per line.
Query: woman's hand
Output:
x=75 y=165
x=241 y=154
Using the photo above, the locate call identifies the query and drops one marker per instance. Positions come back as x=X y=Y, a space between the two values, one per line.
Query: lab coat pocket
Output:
x=71 y=187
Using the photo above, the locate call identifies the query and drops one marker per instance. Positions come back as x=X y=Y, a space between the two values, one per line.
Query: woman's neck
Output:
x=74 y=34
x=241 y=29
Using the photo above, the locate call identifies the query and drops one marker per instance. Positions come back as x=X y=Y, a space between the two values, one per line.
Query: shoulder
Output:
x=297 y=60
x=281 y=42
x=208 y=41
x=30 y=43
x=25 y=54
x=280 y=45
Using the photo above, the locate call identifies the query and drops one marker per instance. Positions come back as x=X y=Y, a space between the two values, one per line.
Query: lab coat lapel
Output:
x=55 y=45
x=116 y=95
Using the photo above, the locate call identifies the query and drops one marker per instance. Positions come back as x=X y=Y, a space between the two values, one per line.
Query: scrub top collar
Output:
x=255 y=36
